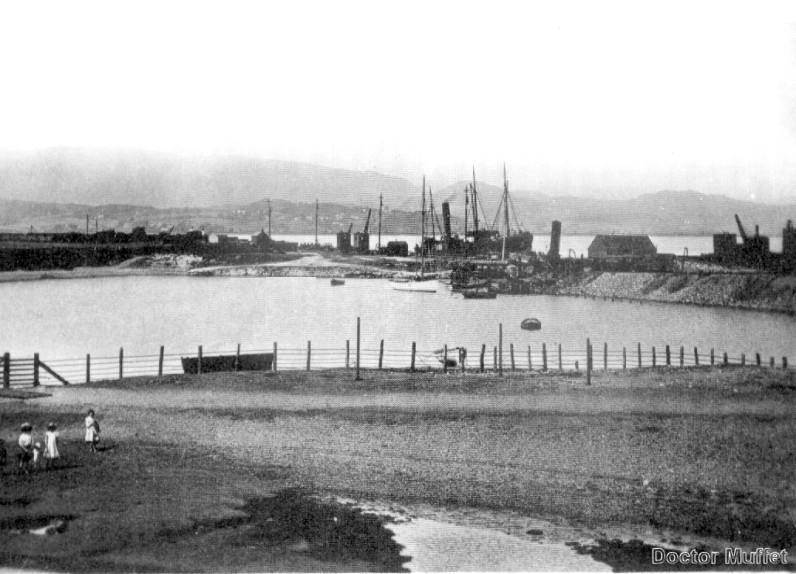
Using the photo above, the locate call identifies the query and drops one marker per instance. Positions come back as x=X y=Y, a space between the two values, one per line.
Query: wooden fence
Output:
x=499 y=359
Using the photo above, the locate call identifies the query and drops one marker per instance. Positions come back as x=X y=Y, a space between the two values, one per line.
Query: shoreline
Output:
x=760 y=292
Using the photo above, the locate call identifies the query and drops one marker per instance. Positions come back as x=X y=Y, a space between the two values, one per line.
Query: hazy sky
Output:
x=577 y=97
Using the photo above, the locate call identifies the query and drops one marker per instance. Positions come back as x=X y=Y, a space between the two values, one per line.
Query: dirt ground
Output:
x=210 y=472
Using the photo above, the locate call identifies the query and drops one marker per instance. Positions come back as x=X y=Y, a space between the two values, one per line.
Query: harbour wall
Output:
x=754 y=291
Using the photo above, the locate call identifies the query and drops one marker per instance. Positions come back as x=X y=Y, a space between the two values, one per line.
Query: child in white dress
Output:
x=25 y=443
x=92 y=431
x=51 y=453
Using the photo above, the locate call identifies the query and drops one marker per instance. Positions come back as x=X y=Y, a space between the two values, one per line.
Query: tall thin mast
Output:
x=269 y=218
x=316 y=222
x=466 y=208
x=380 y=205
x=506 y=200
x=475 y=206
x=423 y=219
x=431 y=213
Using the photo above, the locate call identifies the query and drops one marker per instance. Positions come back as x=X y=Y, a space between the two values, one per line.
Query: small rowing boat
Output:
x=531 y=324
x=337 y=281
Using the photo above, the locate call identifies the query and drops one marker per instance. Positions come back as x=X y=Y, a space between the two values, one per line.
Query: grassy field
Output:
x=214 y=472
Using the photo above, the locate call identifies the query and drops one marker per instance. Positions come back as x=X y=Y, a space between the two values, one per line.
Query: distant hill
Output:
x=661 y=213
x=162 y=180
x=125 y=189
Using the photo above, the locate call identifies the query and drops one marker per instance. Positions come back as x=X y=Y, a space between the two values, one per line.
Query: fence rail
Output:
x=498 y=358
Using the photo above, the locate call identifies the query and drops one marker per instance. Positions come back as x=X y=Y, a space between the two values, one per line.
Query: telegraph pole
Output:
x=316 y=222
x=269 y=219
x=378 y=248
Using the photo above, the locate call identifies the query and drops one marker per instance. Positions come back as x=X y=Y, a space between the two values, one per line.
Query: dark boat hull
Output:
x=220 y=363
x=531 y=325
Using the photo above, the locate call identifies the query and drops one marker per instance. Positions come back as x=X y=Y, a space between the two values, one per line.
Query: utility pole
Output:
x=269 y=219
x=316 y=222
x=378 y=247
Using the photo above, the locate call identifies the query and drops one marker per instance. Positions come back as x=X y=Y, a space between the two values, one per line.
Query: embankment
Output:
x=756 y=291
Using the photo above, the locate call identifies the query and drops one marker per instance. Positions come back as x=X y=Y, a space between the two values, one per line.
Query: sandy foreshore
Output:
x=192 y=464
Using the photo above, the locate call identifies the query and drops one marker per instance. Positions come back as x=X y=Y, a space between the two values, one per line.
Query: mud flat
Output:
x=201 y=473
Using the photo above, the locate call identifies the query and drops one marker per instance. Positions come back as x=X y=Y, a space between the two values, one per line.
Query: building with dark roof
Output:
x=608 y=246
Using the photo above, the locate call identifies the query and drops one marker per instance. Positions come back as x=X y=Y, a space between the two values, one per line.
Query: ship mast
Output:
x=316 y=222
x=475 y=207
x=466 y=209
x=506 y=200
x=423 y=229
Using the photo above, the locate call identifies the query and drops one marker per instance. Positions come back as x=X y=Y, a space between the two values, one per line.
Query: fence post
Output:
x=577 y=368
x=500 y=344
x=639 y=355
x=35 y=369
x=544 y=356
x=309 y=354
x=624 y=358
x=653 y=356
x=743 y=359
x=483 y=352
x=726 y=361
x=682 y=356
x=784 y=362
x=757 y=359
x=347 y=353
x=588 y=361
x=445 y=359
x=88 y=367
x=463 y=358
x=160 y=362
x=494 y=359
x=668 y=356
x=560 y=362
x=6 y=370
x=771 y=363
x=712 y=357
x=381 y=353
x=275 y=357
x=412 y=366
x=530 y=364
x=121 y=362
x=605 y=356
x=357 y=377
x=511 y=354
x=237 y=358
x=199 y=362
x=696 y=357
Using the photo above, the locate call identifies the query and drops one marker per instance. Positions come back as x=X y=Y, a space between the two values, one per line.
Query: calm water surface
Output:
x=69 y=318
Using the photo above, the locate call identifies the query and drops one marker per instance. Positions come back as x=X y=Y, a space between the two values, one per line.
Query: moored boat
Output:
x=476 y=294
x=337 y=281
x=531 y=324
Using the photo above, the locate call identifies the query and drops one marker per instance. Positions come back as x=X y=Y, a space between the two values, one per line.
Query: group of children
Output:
x=32 y=455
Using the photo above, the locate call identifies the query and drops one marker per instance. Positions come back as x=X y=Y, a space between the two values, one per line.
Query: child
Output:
x=36 y=454
x=25 y=452
x=51 y=453
x=92 y=431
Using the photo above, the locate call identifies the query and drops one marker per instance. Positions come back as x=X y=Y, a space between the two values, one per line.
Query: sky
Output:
x=582 y=98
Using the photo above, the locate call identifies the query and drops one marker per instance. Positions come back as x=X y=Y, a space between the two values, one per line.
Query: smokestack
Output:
x=446 y=219
x=555 y=240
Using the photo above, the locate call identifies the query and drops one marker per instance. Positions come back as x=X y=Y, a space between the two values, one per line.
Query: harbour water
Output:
x=69 y=318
